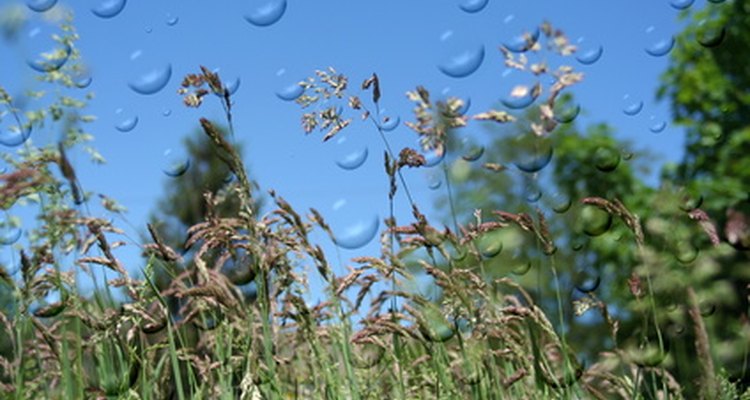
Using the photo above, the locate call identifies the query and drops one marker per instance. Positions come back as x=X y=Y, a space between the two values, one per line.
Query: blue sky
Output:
x=403 y=41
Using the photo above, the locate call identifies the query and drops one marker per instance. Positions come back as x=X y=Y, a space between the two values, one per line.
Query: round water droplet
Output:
x=632 y=107
x=290 y=87
x=606 y=159
x=172 y=20
x=465 y=106
x=233 y=85
x=353 y=227
x=45 y=53
x=150 y=75
x=149 y=29
x=473 y=6
x=83 y=83
x=490 y=245
x=681 y=4
x=707 y=308
x=388 y=124
x=588 y=55
x=566 y=113
x=432 y=157
x=520 y=97
x=577 y=244
x=462 y=63
x=594 y=221
x=108 y=8
x=659 y=44
x=471 y=151
x=10 y=232
x=690 y=201
x=520 y=263
x=561 y=203
x=434 y=183
x=40 y=5
x=353 y=159
x=710 y=34
x=266 y=12
x=532 y=153
x=14 y=128
x=657 y=126
x=167 y=112
x=586 y=279
x=523 y=42
x=175 y=163
x=533 y=194
x=127 y=122
x=685 y=252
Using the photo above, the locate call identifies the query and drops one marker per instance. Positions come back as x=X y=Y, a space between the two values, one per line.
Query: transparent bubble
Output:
x=14 y=128
x=290 y=87
x=353 y=227
x=432 y=157
x=588 y=54
x=353 y=159
x=707 y=308
x=523 y=42
x=632 y=107
x=149 y=29
x=172 y=20
x=685 y=252
x=471 y=151
x=233 y=85
x=40 y=5
x=657 y=126
x=533 y=194
x=606 y=159
x=434 y=326
x=388 y=124
x=520 y=97
x=561 y=203
x=681 y=4
x=465 y=106
x=710 y=35
x=45 y=53
x=10 y=232
x=566 y=113
x=83 y=83
x=167 y=112
x=127 y=122
x=577 y=244
x=108 y=8
x=489 y=245
x=461 y=56
x=266 y=12
x=531 y=153
x=594 y=221
x=150 y=74
x=659 y=44
x=586 y=279
x=434 y=183
x=520 y=263
x=473 y=6
x=175 y=163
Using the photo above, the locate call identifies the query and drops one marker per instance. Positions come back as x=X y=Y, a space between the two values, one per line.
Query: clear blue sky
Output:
x=403 y=41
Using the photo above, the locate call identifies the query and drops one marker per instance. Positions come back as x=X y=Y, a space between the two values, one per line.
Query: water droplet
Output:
x=707 y=308
x=521 y=97
x=685 y=252
x=352 y=228
x=167 y=112
x=388 y=124
x=523 y=42
x=586 y=279
x=588 y=55
x=657 y=127
x=578 y=244
x=681 y=4
x=691 y=201
x=14 y=128
x=533 y=194
x=150 y=76
x=232 y=85
x=594 y=221
x=149 y=29
x=561 y=203
x=473 y=6
x=45 y=53
x=532 y=153
x=471 y=151
x=566 y=113
x=172 y=20
x=109 y=8
x=290 y=87
x=520 y=263
x=83 y=82
x=353 y=159
x=464 y=62
x=266 y=12
x=465 y=106
x=127 y=123
x=490 y=245
x=175 y=163
x=660 y=45
x=434 y=183
x=431 y=157
x=632 y=107
x=40 y=5
x=10 y=232
x=716 y=1
x=606 y=159
x=709 y=35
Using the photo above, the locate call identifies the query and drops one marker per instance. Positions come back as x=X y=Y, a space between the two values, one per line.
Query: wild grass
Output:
x=484 y=337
